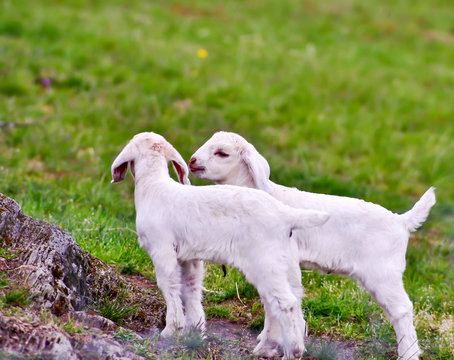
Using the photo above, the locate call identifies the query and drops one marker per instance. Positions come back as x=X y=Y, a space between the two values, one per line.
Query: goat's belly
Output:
x=334 y=264
x=217 y=257
x=315 y=266
x=325 y=269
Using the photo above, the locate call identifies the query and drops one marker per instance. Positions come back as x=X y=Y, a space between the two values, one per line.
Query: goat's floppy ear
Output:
x=257 y=166
x=178 y=164
x=120 y=164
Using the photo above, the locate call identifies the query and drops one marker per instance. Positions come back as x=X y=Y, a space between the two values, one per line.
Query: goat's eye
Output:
x=221 y=154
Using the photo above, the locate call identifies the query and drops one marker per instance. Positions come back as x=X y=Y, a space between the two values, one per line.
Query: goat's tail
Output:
x=302 y=218
x=416 y=216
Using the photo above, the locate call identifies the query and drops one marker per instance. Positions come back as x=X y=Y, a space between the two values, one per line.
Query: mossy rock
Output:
x=60 y=276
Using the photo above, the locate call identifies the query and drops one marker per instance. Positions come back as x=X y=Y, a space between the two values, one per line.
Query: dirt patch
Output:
x=228 y=340
x=246 y=339
x=143 y=282
x=224 y=329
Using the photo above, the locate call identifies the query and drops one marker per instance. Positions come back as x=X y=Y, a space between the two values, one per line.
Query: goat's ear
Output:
x=120 y=164
x=178 y=164
x=257 y=166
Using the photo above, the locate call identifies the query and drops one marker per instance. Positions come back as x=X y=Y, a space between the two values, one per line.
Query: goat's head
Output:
x=226 y=158
x=145 y=145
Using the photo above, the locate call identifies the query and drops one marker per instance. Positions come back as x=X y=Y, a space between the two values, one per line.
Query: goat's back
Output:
x=214 y=219
x=356 y=231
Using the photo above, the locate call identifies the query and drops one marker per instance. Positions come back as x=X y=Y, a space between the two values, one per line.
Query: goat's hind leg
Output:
x=393 y=299
x=192 y=281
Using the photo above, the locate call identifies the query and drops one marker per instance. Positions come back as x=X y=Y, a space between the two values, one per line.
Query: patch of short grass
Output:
x=71 y=327
x=3 y=280
x=116 y=309
x=17 y=297
x=216 y=311
x=194 y=342
x=139 y=345
x=233 y=285
x=326 y=351
x=192 y=345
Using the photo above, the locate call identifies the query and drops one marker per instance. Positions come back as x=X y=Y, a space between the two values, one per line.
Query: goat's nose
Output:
x=192 y=161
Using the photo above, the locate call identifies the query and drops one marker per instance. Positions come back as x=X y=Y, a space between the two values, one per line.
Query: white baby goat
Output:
x=361 y=239
x=179 y=225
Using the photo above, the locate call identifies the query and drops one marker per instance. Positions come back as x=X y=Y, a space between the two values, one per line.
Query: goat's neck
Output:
x=237 y=176
x=240 y=177
x=150 y=170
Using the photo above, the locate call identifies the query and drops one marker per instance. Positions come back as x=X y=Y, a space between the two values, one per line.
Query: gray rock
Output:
x=62 y=348
x=60 y=276
x=27 y=338
x=94 y=321
x=62 y=279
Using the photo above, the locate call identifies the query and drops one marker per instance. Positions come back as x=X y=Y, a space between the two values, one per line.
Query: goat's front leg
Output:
x=192 y=282
x=280 y=302
x=168 y=276
x=271 y=336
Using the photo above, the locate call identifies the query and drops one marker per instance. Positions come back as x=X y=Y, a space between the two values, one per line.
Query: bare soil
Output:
x=231 y=340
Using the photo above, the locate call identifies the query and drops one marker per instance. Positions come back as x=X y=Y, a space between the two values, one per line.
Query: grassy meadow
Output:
x=342 y=97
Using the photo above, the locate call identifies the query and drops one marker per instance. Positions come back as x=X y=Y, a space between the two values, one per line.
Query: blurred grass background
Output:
x=342 y=97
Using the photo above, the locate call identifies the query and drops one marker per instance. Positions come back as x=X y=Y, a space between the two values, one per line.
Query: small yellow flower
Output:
x=47 y=108
x=202 y=53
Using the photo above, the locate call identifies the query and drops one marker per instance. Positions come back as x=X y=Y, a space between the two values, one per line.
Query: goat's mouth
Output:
x=197 y=169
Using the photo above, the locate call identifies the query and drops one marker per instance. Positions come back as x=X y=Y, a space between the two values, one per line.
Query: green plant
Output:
x=17 y=297
x=72 y=328
x=3 y=281
x=217 y=311
x=8 y=254
x=45 y=316
x=125 y=335
x=128 y=268
x=192 y=344
x=116 y=309
x=141 y=346
x=144 y=348
x=322 y=351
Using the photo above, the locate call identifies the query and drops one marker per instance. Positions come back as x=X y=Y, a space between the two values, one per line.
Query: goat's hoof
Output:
x=295 y=354
x=265 y=350
x=412 y=357
x=167 y=333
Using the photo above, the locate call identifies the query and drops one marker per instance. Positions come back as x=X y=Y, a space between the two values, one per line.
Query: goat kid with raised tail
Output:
x=180 y=225
x=360 y=239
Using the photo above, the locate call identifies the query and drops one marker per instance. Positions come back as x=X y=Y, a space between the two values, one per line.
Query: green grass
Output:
x=343 y=97
x=72 y=328
x=116 y=309
x=4 y=283
x=215 y=311
x=16 y=297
